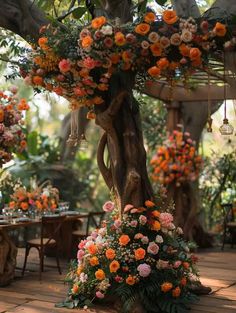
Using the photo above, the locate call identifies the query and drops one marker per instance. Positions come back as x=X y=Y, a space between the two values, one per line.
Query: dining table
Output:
x=8 y=249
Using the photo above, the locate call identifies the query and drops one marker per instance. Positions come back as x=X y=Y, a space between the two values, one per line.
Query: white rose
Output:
x=107 y=30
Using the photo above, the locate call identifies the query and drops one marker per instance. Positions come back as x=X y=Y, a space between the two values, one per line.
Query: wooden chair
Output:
x=92 y=220
x=50 y=237
x=229 y=224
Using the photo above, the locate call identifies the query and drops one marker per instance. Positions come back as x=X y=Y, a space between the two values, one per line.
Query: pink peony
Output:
x=99 y=294
x=108 y=206
x=64 y=65
x=128 y=207
x=153 y=248
x=80 y=254
x=144 y=269
x=142 y=219
x=166 y=220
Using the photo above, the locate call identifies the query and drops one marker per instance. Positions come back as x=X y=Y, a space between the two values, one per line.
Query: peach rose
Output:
x=114 y=266
x=110 y=254
x=87 y=42
x=94 y=261
x=130 y=280
x=124 y=240
x=165 y=287
x=165 y=42
x=139 y=254
x=153 y=37
x=99 y=274
x=175 y=39
x=170 y=17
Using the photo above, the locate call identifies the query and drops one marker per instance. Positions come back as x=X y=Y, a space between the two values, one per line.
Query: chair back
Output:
x=94 y=221
x=50 y=228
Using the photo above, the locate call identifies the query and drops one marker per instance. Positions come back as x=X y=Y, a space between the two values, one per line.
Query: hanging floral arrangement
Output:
x=78 y=63
x=12 y=138
x=177 y=161
x=141 y=257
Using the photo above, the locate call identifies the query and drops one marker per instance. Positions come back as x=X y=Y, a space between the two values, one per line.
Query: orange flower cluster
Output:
x=177 y=161
x=38 y=199
x=12 y=138
x=156 y=46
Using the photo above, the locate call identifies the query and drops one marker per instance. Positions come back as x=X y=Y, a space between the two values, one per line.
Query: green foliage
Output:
x=217 y=186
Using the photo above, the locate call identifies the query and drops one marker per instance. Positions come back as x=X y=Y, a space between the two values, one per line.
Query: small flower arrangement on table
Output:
x=139 y=257
x=177 y=161
x=35 y=201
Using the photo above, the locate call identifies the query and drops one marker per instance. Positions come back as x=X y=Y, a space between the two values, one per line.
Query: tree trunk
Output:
x=8 y=253
x=126 y=175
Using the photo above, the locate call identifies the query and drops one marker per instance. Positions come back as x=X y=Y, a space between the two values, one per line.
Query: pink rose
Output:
x=166 y=220
x=142 y=219
x=130 y=38
x=84 y=33
x=118 y=279
x=82 y=244
x=138 y=236
x=79 y=92
x=99 y=294
x=145 y=44
x=144 y=270
x=134 y=211
x=108 y=42
x=117 y=224
x=153 y=248
x=133 y=223
x=177 y=264
x=64 y=65
x=80 y=254
x=108 y=206
x=145 y=240
x=89 y=63
x=128 y=207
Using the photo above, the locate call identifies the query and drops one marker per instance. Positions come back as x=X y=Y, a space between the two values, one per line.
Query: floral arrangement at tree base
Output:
x=177 y=161
x=140 y=259
x=12 y=138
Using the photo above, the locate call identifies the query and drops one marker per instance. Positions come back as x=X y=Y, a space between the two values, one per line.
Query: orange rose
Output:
x=156 y=49
x=163 y=63
x=194 y=54
x=165 y=287
x=130 y=280
x=156 y=213
x=38 y=80
x=124 y=240
x=120 y=39
x=184 y=50
x=75 y=289
x=155 y=226
x=149 y=204
x=176 y=292
x=97 y=100
x=87 y=41
x=42 y=42
x=149 y=17
x=186 y=265
x=93 y=261
x=183 y=281
x=110 y=254
x=92 y=249
x=99 y=274
x=142 y=29
x=170 y=17
x=154 y=71
x=114 y=266
x=115 y=58
x=98 y=22
x=139 y=253
x=24 y=206
x=91 y=115
x=220 y=29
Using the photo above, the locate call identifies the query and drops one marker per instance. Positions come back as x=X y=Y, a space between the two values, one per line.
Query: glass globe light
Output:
x=226 y=128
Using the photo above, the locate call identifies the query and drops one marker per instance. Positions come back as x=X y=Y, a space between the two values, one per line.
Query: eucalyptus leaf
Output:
x=79 y=12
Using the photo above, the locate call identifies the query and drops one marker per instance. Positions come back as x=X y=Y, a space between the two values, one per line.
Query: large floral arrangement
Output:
x=36 y=199
x=139 y=257
x=78 y=63
x=12 y=138
x=177 y=160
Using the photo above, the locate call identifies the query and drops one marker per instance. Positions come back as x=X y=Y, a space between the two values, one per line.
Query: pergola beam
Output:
x=163 y=92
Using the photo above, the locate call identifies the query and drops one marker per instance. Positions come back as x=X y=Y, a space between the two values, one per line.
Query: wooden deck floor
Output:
x=28 y=295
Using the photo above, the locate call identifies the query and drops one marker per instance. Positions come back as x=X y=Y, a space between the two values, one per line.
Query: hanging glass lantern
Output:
x=226 y=128
x=83 y=143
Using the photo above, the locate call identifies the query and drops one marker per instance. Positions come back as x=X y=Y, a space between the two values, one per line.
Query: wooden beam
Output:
x=163 y=92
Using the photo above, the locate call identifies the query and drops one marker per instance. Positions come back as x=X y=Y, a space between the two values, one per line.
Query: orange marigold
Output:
x=130 y=280
x=149 y=17
x=170 y=17
x=220 y=29
x=139 y=253
x=100 y=275
x=110 y=254
x=98 y=22
x=142 y=29
x=165 y=287
x=124 y=240
x=114 y=266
